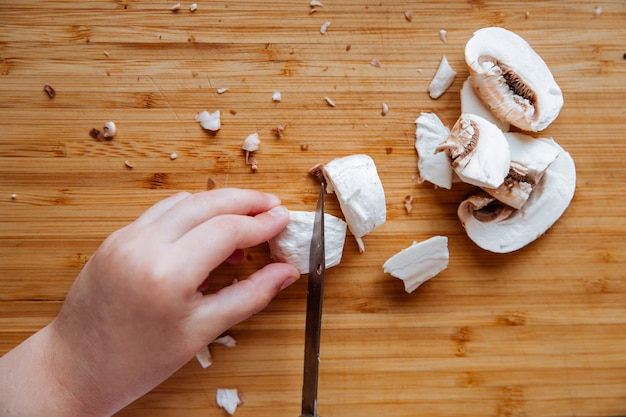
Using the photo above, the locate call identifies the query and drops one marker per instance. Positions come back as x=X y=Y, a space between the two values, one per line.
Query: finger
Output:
x=237 y=302
x=157 y=210
x=198 y=208
x=211 y=243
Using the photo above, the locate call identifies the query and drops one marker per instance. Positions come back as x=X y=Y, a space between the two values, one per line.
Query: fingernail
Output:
x=278 y=211
x=288 y=281
x=273 y=198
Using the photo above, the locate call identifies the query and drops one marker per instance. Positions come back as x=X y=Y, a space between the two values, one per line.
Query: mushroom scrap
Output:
x=524 y=184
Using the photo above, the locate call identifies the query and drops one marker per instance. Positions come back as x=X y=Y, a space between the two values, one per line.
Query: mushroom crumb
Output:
x=13 y=196
x=95 y=133
x=210 y=184
x=109 y=131
x=408 y=203
x=128 y=164
x=173 y=156
x=375 y=62
x=209 y=121
x=175 y=7
x=251 y=144
x=193 y=7
x=597 y=11
x=408 y=15
x=385 y=109
x=276 y=97
x=304 y=147
x=228 y=399
x=49 y=90
x=222 y=90
x=442 y=35
x=324 y=27
x=316 y=3
x=329 y=101
x=278 y=130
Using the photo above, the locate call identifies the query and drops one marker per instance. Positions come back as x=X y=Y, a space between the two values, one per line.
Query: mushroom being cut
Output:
x=419 y=262
x=355 y=181
x=512 y=79
x=478 y=151
x=433 y=167
x=499 y=228
x=530 y=158
x=292 y=245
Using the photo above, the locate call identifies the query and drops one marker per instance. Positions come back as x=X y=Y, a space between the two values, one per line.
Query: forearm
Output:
x=28 y=384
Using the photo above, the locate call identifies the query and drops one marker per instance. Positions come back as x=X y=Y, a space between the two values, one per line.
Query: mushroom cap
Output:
x=433 y=167
x=497 y=228
x=512 y=79
x=293 y=244
x=355 y=181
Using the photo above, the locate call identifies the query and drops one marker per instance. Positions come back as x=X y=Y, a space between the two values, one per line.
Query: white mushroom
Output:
x=293 y=244
x=430 y=132
x=228 y=399
x=498 y=228
x=419 y=262
x=109 y=130
x=478 y=151
x=530 y=158
x=512 y=79
x=355 y=181
x=209 y=121
x=443 y=79
x=471 y=103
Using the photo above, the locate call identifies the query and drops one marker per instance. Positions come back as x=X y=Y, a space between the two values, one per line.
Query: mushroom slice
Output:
x=361 y=196
x=443 y=79
x=498 y=228
x=471 y=103
x=530 y=158
x=419 y=262
x=293 y=244
x=478 y=150
x=512 y=79
x=433 y=167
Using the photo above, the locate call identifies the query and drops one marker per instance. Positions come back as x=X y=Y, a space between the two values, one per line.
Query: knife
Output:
x=317 y=268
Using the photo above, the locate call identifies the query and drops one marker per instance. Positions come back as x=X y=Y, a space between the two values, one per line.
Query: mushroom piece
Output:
x=433 y=167
x=209 y=121
x=355 y=181
x=293 y=244
x=478 y=151
x=498 y=228
x=419 y=262
x=512 y=79
x=530 y=158
x=228 y=399
x=471 y=103
x=443 y=79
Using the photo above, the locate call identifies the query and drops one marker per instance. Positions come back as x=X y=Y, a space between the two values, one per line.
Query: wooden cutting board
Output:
x=537 y=332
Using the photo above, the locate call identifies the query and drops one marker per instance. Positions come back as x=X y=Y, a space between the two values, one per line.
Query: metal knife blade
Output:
x=317 y=269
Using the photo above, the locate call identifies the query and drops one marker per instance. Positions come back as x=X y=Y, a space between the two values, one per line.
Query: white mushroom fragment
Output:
x=478 y=150
x=429 y=134
x=251 y=144
x=329 y=101
x=204 y=357
x=384 y=109
x=530 y=158
x=471 y=103
x=419 y=262
x=443 y=79
x=498 y=228
x=228 y=399
x=442 y=35
x=324 y=27
x=355 y=181
x=222 y=90
x=109 y=130
x=193 y=7
x=293 y=244
x=276 y=97
x=209 y=121
x=512 y=79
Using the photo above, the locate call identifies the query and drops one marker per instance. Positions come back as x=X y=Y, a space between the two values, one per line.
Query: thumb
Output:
x=237 y=302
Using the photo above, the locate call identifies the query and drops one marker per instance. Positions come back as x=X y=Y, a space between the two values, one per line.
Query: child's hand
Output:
x=136 y=312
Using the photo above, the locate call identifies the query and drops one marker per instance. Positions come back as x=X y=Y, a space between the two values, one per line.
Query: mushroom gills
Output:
x=419 y=262
x=355 y=181
x=512 y=79
x=292 y=245
x=478 y=151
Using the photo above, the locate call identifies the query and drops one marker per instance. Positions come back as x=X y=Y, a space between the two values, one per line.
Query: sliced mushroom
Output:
x=471 y=103
x=433 y=167
x=478 y=151
x=530 y=158
x=419 y=262
x=512 y=79
x=293 y=244
x=355 y=181
x=498 y=228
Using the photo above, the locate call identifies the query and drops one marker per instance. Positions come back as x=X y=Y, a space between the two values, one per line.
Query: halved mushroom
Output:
x=512 y=79
x=499 y=228
x=433 y=167
x=471 y=103
x=530 y=158
x=419 y=262
x=355 y=181
x=293 y=244
x=478 y=151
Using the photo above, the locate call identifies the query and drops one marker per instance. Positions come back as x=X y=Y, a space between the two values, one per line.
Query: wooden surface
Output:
x=538 y=332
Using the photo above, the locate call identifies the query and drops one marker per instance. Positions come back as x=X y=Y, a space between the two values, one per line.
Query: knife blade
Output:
x=317 y=269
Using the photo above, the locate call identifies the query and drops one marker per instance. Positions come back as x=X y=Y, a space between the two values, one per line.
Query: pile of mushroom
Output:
x=524 y=184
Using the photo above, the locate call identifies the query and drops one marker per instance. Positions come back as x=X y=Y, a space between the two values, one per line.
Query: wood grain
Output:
x=538 y=332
